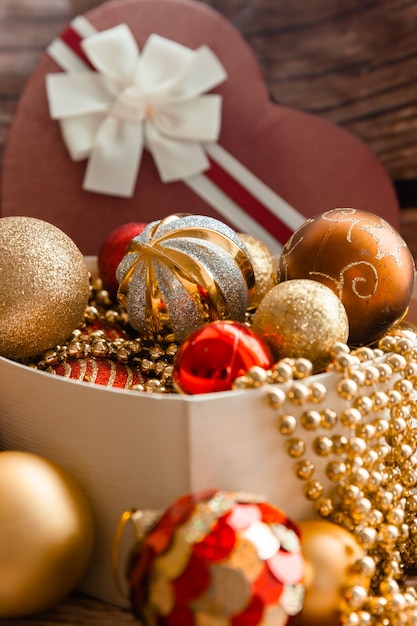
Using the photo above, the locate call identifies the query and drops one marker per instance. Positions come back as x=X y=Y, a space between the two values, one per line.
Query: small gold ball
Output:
x=347 y=388
x=282 y=371
x=301 y=318
x=329 y=418
x=311 y=419
x=366 y=537
x=350 y=417
x=322 y=446
x=298 y=394
x=363 y=404
x=276 y=398
x=325 y=507
x=295 y=447
x=318 y=393
x=313 y=490
x=356 y=596
x=303 y=368
x=336 y=470
x=287 y=424
x=304 y=469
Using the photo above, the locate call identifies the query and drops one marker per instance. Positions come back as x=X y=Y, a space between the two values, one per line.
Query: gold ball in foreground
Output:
x=330 y=553
x=264 y=267
x=46 y=533
x=44 y=286
x=301 y=318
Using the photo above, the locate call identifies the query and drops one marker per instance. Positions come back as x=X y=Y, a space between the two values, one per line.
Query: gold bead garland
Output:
x=152 y=359
x=371 y=463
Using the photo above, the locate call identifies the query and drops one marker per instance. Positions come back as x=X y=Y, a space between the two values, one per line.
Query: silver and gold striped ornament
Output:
x=182 y=272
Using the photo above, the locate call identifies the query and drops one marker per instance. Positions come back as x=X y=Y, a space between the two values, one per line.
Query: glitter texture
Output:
x=182 y=272
x=301 y=318
x=44 y=286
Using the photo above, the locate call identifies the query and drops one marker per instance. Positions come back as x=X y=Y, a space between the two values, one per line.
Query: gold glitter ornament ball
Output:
x=46 y=533
x=264 y=267
x=301 y=318
x=44 y=286
x=330 y=553
x=363 y=259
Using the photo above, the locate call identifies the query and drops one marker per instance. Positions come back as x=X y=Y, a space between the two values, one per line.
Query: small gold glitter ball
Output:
x=301 y=318
x=44 y=286
x=264 y=267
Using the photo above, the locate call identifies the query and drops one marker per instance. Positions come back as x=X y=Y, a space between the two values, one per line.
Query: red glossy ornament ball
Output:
x=218 y=558
x=112 y=252
x=363 y=259
x=214 y=355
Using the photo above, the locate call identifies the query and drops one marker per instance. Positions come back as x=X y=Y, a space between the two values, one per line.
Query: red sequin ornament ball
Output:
x=218 y=558
x=213 y=356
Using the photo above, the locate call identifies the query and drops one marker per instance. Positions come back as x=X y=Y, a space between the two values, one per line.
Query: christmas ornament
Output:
x=112 y=252
x=99 y=372
x=44 y=287
x=46 y=533
x=301 y=318
x=331 y=553
x=360 y=257
x=218 y=558
x=213 y=356
x=264 y=267
x=103 y=350
x=182 y=272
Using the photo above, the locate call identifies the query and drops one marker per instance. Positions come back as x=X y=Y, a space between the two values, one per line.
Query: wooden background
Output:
x=353 y=62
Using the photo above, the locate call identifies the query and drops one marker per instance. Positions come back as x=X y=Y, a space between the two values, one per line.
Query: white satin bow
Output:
x=133 y=100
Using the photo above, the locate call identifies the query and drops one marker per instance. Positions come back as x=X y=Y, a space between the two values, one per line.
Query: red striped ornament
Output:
x=99 y=372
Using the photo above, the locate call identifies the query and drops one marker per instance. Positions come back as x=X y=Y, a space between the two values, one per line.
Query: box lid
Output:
x=308 y=163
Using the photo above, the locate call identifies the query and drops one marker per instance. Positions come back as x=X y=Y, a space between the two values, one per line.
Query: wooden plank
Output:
x=78 y=610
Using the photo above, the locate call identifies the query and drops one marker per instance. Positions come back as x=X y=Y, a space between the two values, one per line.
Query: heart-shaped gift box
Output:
x=269 y=168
